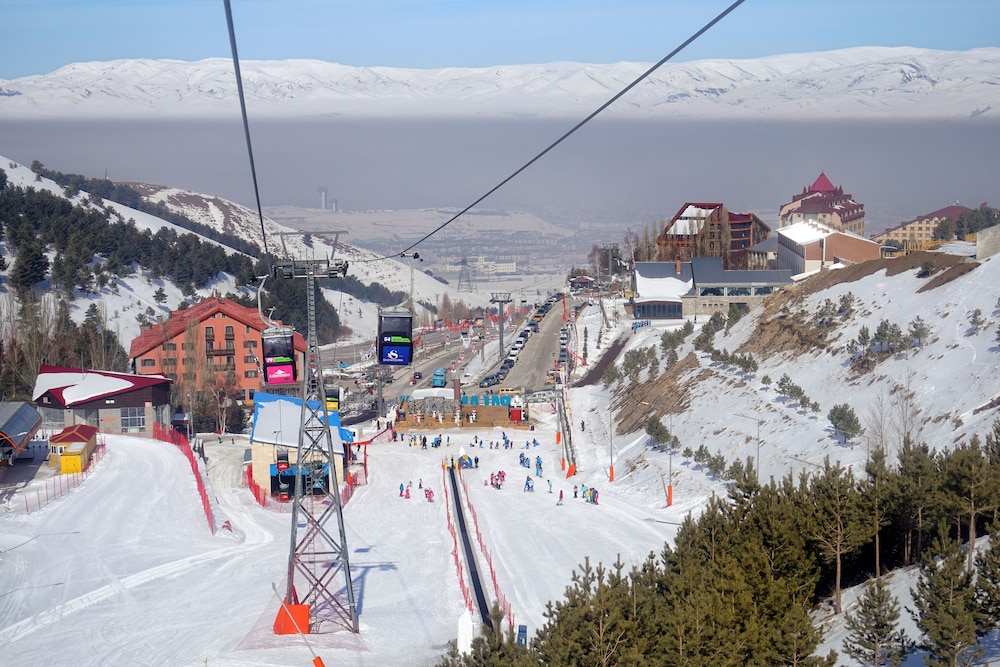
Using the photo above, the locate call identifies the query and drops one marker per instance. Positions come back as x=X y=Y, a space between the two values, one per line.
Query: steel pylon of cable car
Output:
x=318 y=555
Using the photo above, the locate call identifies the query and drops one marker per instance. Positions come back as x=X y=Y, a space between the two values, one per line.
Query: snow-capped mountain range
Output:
x=863 y=82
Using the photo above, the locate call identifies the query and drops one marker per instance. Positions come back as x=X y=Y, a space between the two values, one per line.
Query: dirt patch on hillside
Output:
x=782 y=328
x=947 y=275
x=943 y=264
x=667 y=394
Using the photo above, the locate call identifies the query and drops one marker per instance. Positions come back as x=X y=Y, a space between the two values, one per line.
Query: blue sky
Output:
x=39 y=36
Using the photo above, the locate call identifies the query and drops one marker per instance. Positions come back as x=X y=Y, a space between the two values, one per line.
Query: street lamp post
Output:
x=611 y=436
x=757 y=460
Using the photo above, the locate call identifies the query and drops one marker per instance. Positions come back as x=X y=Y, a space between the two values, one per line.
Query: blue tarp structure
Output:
x=276 y=421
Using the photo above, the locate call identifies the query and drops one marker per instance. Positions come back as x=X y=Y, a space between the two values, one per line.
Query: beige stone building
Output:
x=920 y=229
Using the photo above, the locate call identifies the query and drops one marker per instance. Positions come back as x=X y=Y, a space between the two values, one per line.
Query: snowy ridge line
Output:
x=454 y=544
x=497 y=593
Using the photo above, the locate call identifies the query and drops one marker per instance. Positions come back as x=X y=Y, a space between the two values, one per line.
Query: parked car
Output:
x=489 y=380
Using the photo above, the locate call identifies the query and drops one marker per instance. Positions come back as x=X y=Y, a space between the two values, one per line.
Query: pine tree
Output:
x=919 y=330
x=916 y=496
x=988 y=580
x=970 y=486
x=875 y=638
x=845 y=422
x=841 y=525
x=946 y=610
x=30 y=267
x=876 y=496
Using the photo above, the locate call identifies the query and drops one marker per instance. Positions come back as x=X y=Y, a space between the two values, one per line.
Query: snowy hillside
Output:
x=154 y=586
x=282 y=241
x=864 y=82
x=123 y=301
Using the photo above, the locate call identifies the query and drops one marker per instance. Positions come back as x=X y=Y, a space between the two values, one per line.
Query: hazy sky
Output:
x=39 y=36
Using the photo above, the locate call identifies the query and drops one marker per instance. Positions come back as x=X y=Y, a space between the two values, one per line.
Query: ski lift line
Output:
x=572 y=130
x=246 y=124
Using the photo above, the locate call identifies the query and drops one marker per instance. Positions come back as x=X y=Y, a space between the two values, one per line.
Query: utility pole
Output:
x=320 y=557
x=501 y=299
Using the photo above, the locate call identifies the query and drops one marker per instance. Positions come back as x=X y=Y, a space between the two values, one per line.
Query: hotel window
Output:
x=210 y=332
x=148 y=363
x=249 y=374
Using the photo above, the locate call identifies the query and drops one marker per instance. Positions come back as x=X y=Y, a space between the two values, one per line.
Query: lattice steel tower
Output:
x=466 y=277
x=318 y=558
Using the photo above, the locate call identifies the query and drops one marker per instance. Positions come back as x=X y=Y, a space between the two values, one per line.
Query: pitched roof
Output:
x=821 y=184
x=73 y=386
x=75 y=433
x=951 y=212
x=179 y=320
x=709 y=271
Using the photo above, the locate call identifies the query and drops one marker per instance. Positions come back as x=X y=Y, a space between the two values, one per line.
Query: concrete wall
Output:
x=988 y=242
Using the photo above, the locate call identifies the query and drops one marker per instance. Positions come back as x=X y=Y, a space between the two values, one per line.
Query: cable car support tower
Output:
x=318 y=555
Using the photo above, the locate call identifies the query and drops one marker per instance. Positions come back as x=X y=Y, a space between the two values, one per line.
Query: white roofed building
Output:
x=808 y=247
x=113 y=402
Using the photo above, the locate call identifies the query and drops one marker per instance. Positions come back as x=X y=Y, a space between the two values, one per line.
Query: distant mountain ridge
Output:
x=862 y=82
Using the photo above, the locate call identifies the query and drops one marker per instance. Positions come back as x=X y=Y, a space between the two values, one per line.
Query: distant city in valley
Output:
x=610 y=177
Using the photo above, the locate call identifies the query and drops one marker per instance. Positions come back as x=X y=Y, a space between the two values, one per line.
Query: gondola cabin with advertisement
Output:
x=278 y=346
x=395 y=331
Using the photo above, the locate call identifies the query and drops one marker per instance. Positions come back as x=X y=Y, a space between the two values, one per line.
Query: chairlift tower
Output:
x=318 y=557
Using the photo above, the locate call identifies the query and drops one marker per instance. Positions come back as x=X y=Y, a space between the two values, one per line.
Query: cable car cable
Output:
x=576 y=127
x=246 y=124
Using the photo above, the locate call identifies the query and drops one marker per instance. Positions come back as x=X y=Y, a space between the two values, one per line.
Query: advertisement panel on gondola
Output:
x=395 y=345
x=279 y=356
